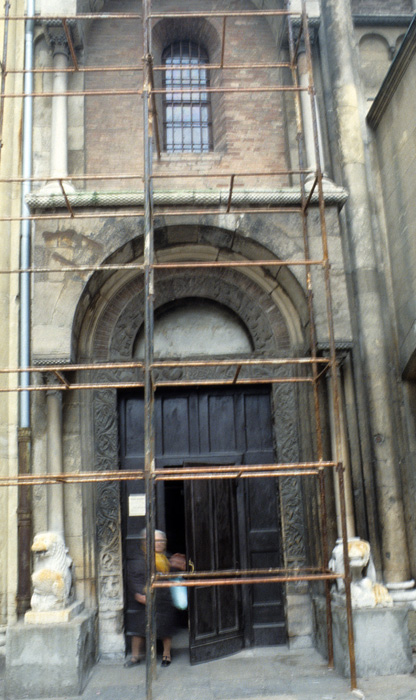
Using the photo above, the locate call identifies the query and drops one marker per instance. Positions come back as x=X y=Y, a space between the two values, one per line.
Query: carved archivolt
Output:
x=263 y=320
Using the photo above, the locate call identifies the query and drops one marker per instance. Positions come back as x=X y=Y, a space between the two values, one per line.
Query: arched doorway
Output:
x=262 y=319
x=220 y=524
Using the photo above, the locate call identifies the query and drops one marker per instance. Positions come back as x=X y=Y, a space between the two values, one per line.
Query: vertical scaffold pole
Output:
x=149 y=435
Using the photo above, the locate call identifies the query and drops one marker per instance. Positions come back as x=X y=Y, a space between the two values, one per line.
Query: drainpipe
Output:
x=24 y=527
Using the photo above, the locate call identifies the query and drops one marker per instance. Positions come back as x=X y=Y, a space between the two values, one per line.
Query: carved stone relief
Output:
x=287 y=441
x=263 y=321
x=108 y=502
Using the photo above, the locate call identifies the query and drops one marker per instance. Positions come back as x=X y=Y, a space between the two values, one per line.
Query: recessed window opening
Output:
x=187 y=115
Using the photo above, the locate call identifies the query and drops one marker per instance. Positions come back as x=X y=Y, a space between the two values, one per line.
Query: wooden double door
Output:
x=220 y=524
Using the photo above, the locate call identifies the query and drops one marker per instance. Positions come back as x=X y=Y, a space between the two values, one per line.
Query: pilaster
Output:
x=367 y=287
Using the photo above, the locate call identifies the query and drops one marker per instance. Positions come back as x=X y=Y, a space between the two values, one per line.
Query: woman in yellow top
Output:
x=165 y=612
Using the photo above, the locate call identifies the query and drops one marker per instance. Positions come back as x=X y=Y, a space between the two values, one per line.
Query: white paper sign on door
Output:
x=137 y=504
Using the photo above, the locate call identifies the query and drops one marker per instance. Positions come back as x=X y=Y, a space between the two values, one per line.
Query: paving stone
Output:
x=257 y=674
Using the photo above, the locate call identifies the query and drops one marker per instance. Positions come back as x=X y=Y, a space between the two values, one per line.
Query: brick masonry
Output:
x=248 y=129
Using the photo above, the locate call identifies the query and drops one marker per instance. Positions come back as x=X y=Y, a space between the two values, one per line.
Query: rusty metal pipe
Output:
x=235 y=471
x=244 y=580
x=24 y=522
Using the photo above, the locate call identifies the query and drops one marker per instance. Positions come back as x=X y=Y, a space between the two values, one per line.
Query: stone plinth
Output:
x=45 y=617
x=381 y=639
x=50 y=660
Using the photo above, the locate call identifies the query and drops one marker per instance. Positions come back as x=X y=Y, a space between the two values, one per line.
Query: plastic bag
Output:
x=179 y=595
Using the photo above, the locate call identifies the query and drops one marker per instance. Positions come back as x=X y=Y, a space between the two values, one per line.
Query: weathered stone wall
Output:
x=71 y=308
x=9 y=309
x=246 y=137
x=56 y=294
x=396 y=138
x=375 y=359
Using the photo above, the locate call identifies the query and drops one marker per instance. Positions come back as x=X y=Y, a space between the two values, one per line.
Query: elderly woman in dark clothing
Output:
x=165 y=612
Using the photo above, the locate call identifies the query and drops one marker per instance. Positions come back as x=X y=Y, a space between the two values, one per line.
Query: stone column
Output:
x=369 y=312
x=58 y=42
x=344 y=457
x=307 y=119
x=59 y=123
x=55 y=461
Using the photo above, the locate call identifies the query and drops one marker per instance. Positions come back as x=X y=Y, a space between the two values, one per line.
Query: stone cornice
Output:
x=47 y=360
x=393 y=77
x=289 y=196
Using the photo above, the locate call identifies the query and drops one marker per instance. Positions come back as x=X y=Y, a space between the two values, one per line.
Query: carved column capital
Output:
x=53 y=384
x=56 y=38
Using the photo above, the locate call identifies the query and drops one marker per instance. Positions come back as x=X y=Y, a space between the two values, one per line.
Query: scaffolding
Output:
x=310 y=370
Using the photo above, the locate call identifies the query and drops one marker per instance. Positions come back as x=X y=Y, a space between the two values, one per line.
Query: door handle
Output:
x=191 y=566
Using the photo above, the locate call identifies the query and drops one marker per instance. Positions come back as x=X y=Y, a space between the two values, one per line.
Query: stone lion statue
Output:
x=52 y=576
x=365 y=591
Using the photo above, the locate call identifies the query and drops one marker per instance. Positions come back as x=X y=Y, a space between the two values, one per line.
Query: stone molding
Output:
x=287 y=440
x=110 y=578
x=285 y=196
x=393 y=20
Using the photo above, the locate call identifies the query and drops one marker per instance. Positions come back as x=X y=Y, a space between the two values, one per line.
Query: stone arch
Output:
x=91 y=332
x=107 y=324
x=266 y=326
x=375 y=58
x=399 y=42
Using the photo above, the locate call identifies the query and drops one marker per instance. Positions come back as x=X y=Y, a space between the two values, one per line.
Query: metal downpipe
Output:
x=24 y=328
x=24 y=511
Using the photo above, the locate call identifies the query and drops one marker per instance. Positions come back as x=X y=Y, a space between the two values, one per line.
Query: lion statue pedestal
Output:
x=381 y=636
x=53 y=651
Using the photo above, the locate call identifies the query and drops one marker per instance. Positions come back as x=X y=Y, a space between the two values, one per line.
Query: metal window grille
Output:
x=187 y=115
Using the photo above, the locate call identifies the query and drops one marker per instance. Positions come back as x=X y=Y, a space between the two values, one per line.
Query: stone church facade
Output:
x=363 y=64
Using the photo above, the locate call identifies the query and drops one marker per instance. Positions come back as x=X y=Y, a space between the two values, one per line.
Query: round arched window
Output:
x=187 y=123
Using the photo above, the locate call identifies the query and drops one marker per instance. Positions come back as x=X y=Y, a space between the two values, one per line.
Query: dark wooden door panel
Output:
x=131 y=421
x=216 y=627
x=228 y=524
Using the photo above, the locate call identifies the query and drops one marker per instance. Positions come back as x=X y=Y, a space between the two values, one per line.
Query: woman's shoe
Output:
x=133 y=661
x=166 y=661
